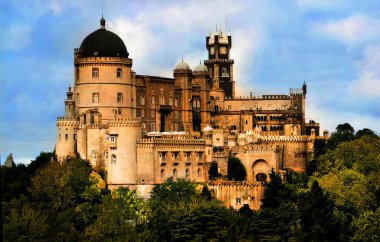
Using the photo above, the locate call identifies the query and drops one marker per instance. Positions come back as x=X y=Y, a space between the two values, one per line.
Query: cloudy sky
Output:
x=333 y=45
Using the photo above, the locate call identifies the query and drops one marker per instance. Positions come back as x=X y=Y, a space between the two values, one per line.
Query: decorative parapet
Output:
x=67 y=122
x=259 y=150
x=62 y=118
x=221 y=183
x=124 y=122
x=173 y=141
x=300 y=138
x=95 y=126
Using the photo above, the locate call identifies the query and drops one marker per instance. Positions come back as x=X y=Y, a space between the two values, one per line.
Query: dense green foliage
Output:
x=337 y=200
x=236 y=170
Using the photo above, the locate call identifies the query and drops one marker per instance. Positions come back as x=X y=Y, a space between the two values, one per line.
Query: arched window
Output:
x=106 y=155
x=94 y=155
x=142 y=100
x=176 y=102
x=171 y=101
x=113 y=159
x=187 y=173
x=175 y=173
x=162 y=174
x=199 y=171
x=162 y=100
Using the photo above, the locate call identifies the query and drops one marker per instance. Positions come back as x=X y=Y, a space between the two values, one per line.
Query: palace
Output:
x=140 y=130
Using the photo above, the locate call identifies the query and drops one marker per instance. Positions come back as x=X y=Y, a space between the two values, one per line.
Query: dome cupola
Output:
x=103 y=43
x=182 y=66
x=201 y=68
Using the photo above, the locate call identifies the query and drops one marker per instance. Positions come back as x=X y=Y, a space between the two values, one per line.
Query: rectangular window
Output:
x=238 y=200
x=95 y=73
x=112 y=138
x=59 y=136
x=95 y=97
x=152 y=127
x=75 y=137
x=152 y=113
x=119 y=73
x=66 y=136
x=143 y=113
x=119 y=97
x=78 y=100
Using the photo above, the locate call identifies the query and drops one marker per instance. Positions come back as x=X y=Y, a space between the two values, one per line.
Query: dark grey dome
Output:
x=103 y=43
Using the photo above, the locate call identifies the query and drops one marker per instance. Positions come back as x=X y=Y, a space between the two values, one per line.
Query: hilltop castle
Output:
x=142 y=129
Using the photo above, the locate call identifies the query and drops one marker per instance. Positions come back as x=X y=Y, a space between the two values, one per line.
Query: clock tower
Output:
x=219 y=63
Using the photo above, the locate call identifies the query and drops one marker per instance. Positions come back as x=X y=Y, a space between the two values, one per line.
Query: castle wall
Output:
x=236 y=194
x=123 y=168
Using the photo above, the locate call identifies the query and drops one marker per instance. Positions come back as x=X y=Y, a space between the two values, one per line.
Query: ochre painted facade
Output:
x=141 y=130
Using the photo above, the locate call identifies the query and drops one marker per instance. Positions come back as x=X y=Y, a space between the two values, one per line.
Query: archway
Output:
x=260 y=170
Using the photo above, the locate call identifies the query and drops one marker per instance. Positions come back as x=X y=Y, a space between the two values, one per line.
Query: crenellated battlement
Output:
x=67 y=123
x=124 y=122
x=174 y=141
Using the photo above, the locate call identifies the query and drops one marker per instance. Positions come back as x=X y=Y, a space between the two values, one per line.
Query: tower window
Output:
x=199 y=173
x=95 y=73
x=113 y=159
x=162 y=173
x=119 y=97
x=78 y=99
x=95 y=97
x=152 y=113
x=106 y=155
x=175 y=173
x=187 y=173
x=94 y=155
x=66 y=136
x=119 y=73
x=152 y=127
x=176 y=102
x=143 y=113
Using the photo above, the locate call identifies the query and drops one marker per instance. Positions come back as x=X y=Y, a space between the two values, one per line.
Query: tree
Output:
x=119 y=216
x=206 y=193
x=317 y=216
x=25 y=224
x=364 y=132
x=236 y=170
x=344 y=132
x=275 y=192
x=213 y=171
x=63 y=192
x=367 y=226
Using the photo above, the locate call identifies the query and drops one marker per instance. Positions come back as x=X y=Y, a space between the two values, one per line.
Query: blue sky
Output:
x=333 y=45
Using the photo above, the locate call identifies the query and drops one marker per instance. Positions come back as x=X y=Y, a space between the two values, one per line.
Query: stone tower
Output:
x=201 y=97
x=182 y=75
x=219 y=63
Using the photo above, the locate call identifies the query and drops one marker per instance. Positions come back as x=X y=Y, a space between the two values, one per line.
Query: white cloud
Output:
x=249 y=40
x=16 y=37
x=354 y=30
x=140 y=41
x=368 y=83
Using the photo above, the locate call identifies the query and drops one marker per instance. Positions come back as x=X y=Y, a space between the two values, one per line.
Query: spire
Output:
x=102 y=22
